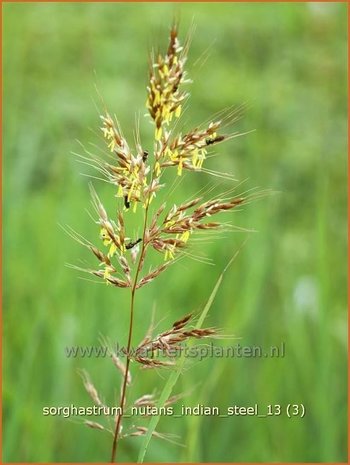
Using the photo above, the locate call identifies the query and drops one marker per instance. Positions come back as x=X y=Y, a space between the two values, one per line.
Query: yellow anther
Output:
x=185 y=236
x=157 y=169
x=158 y=133
x=131 y=190
x=195 y=157
x=179 y=167
x=120 y=191
x=107 y=272
x=112 y=145
x=156 y=99
x=169 y=253
x=112 y=250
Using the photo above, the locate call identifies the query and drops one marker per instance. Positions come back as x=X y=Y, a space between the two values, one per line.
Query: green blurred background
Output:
x=288 y=62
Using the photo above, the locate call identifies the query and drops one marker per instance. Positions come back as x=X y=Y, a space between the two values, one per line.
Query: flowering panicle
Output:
x=135 y=174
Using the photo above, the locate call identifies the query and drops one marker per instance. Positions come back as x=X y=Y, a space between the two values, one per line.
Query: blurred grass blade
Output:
x=174 y=376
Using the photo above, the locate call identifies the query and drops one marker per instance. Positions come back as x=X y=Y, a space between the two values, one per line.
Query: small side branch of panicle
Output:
x=117 y=362
x=152 y=275
x=180 y=223
x=190 y=150
x=129 y=173
x=90 y=388
x=168 y=342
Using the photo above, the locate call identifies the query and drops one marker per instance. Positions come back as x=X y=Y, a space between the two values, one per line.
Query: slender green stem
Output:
x=128 y=357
